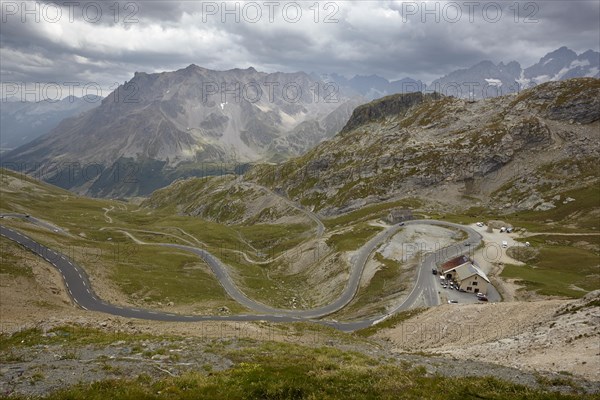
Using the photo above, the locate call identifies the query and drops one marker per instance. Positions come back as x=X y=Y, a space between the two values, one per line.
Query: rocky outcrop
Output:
x=529 y=133
x=574 y=100
x=389 y=106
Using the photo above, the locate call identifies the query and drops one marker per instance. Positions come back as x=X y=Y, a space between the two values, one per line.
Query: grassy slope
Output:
x=566 y=266
x=270 y=370
x=150 y=272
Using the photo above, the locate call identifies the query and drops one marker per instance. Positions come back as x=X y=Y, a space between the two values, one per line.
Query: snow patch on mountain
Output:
x=494 y=82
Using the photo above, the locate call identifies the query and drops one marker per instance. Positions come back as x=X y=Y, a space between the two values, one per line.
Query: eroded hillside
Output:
x=457 y=152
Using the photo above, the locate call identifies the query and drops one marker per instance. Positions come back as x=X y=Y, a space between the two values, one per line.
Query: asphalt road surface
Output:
x=78 y=285
x=35 y=221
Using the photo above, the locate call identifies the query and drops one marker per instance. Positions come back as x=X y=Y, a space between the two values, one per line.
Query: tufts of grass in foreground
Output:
x=71 y=334
x=288 y=371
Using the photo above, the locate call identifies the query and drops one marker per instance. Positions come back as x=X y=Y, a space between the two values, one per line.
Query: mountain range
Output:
x=159 y=127
x=487 y=79
x=162 y=126
x=482 y=80
x=373 y=86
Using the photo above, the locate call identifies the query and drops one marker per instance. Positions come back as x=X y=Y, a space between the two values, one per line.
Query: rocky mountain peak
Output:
x=171 y=124
x=485 y=64
x=562 y=52
x=590 y=55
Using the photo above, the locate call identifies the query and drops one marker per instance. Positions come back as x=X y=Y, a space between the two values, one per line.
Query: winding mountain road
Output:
x=80 y=290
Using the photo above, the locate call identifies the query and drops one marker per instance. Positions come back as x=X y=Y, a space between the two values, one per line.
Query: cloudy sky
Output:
x=106 y=42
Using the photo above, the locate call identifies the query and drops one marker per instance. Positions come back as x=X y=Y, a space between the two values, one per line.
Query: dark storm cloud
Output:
x=389 y=38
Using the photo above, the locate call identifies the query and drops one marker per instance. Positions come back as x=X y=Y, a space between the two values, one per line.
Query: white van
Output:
x=504 y=244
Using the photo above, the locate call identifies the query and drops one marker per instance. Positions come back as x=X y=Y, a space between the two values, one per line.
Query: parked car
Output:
x=434 y=271
x=503 y=229
x=452 y=302
x=482 y=298
x=509 y=230
x=467 y=244
x=480 y=224
x=479 y=294
x=504 y=244
x=527 y=244
x=401 y=224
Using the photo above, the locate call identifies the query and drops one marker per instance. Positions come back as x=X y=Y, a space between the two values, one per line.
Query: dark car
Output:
x=482 y=298
x=434 y=271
